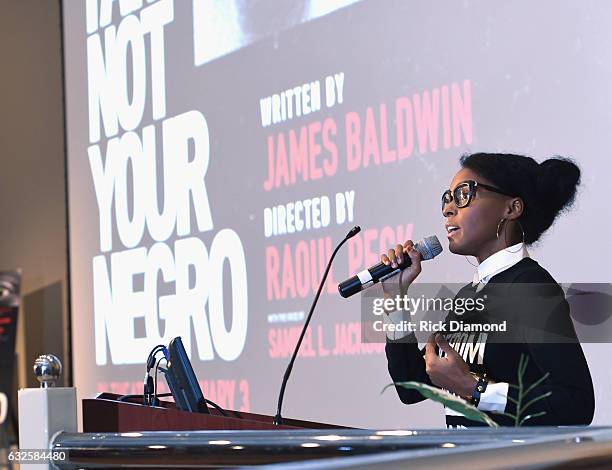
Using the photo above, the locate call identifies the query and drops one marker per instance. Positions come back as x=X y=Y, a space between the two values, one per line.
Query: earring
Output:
x=506 y=239
x=498 y=225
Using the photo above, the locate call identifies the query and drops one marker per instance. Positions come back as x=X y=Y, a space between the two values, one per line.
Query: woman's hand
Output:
x=395 y=257
x=450 y=372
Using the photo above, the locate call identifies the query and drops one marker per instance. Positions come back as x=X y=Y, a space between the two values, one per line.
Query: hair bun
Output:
x=558 y=180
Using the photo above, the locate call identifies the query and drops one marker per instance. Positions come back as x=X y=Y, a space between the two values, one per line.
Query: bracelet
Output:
x=481 y=386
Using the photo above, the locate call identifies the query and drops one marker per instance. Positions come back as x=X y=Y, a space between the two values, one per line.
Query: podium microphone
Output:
x=278 y=419
x=428 y=248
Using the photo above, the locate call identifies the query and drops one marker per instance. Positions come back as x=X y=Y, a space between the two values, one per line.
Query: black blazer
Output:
x=540 y=327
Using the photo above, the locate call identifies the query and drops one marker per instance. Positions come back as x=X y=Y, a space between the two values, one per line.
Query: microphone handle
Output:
x=370 y=276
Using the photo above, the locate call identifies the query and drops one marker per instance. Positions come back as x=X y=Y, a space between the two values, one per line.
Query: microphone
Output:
x=278 y=419
x=428 y=248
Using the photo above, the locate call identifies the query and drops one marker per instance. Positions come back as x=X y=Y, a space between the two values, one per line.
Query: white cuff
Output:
x=494 y=398
x=396 y=324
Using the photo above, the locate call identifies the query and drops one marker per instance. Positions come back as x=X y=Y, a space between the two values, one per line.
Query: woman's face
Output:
x=476 y=223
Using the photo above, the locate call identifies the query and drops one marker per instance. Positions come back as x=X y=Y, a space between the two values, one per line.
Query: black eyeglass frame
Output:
x=449 y=196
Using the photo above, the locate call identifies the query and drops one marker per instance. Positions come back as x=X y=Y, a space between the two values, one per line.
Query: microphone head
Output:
x=428 y=247
x=354 y=231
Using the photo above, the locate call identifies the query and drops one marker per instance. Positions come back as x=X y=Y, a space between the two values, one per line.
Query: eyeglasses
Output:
x=464 y=193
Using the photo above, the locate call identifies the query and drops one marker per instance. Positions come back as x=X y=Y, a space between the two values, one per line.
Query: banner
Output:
x=10 y=285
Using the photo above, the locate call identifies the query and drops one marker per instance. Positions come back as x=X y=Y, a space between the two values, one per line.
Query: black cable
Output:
x=126 y=397
x=153 y=353
x=210 y=402
x=155 y=379
x=149 y=386
x=159 y=347
x=221 y=410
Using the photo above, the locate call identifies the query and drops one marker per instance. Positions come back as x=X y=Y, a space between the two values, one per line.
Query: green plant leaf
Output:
x=449 y=400
x=541 y=397
x=535 y=384
x=524 y=391
x=541 y=413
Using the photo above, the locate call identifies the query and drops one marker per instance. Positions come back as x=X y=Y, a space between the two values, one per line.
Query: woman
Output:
x=496 y=206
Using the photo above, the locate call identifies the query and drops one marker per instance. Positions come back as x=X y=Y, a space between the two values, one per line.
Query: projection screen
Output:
x=219 y=150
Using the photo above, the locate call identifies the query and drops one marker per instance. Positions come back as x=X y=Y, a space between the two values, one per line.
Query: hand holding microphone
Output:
x=401 y=258
x=397 y=259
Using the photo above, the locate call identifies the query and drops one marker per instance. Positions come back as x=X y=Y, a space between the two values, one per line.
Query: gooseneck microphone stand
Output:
x=278 y=419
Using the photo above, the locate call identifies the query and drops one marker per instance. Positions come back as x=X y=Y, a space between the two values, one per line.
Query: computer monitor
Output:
x=182 y=381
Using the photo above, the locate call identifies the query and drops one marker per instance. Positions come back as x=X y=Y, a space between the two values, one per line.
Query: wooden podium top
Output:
x=106 y=414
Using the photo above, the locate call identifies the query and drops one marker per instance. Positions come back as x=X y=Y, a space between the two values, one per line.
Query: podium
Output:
x=106 y=414
x=130 y=434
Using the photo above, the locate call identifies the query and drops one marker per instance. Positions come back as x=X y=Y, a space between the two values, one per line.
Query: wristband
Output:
x=481 y=386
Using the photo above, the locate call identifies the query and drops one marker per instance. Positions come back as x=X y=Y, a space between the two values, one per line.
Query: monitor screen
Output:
x=182 y=381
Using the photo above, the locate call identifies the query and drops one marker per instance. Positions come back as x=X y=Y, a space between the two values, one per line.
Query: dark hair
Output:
x=546 y=188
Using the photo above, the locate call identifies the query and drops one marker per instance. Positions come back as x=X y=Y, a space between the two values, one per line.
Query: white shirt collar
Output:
x=498 y=262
